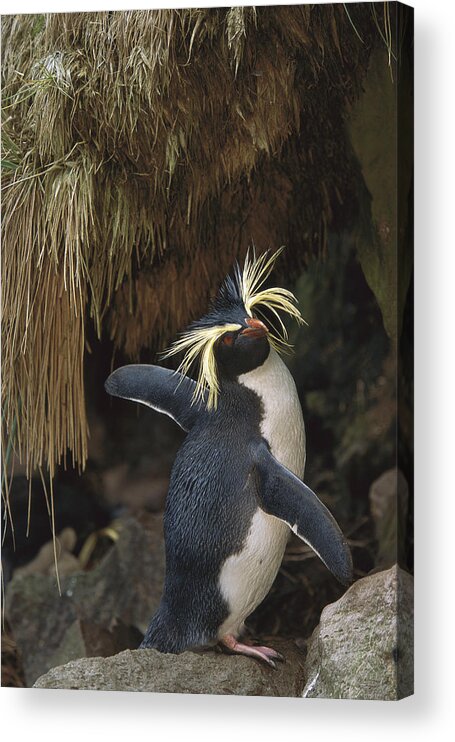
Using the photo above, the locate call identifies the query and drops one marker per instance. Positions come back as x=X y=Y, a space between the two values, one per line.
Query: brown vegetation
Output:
x=144 y=151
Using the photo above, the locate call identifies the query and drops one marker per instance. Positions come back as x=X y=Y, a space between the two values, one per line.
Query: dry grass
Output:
x=143 y=151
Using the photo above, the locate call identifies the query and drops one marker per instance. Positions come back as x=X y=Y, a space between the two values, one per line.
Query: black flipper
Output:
x=160 y=388
x=282 y=494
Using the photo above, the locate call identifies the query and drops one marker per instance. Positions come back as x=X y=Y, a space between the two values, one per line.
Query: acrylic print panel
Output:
x=207 y=350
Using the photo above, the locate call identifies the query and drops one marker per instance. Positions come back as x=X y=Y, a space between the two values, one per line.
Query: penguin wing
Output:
x=285 y=496
x=159 y=388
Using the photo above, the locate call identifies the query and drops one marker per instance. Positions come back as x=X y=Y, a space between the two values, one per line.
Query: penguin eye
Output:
x=228 y=338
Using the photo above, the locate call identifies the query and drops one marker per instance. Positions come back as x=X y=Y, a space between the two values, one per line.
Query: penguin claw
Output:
x=271 y=653
x=266 y=654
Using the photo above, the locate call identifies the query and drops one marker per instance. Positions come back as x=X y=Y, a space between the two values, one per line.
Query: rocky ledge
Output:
x=361 y=649
x=191 y=672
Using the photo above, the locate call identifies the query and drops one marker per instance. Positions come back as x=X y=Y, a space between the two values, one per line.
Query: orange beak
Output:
x=255 y=329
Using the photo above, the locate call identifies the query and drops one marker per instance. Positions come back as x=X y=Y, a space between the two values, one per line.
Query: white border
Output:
x=78 y=716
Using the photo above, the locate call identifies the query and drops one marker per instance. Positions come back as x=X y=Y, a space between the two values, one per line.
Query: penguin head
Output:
x=234 y=336
x=240 y=351
x=241 y=338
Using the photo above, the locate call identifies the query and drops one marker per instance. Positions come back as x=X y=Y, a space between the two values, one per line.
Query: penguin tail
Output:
x=160 y=636
x=165 y=635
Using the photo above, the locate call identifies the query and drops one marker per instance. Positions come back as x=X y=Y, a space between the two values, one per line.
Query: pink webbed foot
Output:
x=266 y=654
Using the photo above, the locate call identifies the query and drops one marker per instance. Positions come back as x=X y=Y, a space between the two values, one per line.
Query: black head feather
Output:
x=227 y=306
x=230 y=291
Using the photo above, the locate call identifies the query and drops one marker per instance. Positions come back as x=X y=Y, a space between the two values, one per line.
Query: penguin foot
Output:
x=266 y=654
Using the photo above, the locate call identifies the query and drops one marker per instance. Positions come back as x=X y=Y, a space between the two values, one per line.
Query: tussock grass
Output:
x=143 y=151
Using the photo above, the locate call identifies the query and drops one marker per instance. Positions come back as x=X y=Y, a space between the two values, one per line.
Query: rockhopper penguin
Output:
x=236 y=486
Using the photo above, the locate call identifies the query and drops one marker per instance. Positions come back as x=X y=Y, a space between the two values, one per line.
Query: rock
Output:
x=125 y=586
x=44 y=562
x=86 y=639
x=363 y=646
x=389 y=506
x=135 y=488
x=380 y=121
x=191 y=672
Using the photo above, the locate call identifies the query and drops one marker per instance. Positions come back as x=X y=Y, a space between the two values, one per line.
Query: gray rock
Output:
x=44 y=562
x=125 y=586
x=86 y=639
x=191 y=672
x=363 y=646
x=389 y=506
x=382 y=239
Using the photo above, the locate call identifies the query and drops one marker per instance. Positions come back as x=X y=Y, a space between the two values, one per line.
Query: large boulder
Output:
x=380 y=122
x=389 y=497
x=102 y=611
x=363 y=645
x=191 y=672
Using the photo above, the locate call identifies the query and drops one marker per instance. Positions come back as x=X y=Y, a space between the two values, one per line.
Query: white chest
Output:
x=246 y=577
x=282 y=424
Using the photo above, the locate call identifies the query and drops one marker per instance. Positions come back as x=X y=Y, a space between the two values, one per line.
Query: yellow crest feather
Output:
x=255 y=273
x=200 y=342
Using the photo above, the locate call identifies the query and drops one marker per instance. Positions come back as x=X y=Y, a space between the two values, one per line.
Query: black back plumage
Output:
x=209 y=508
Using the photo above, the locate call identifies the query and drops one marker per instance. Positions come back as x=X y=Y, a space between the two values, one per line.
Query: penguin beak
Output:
x=255 y=329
